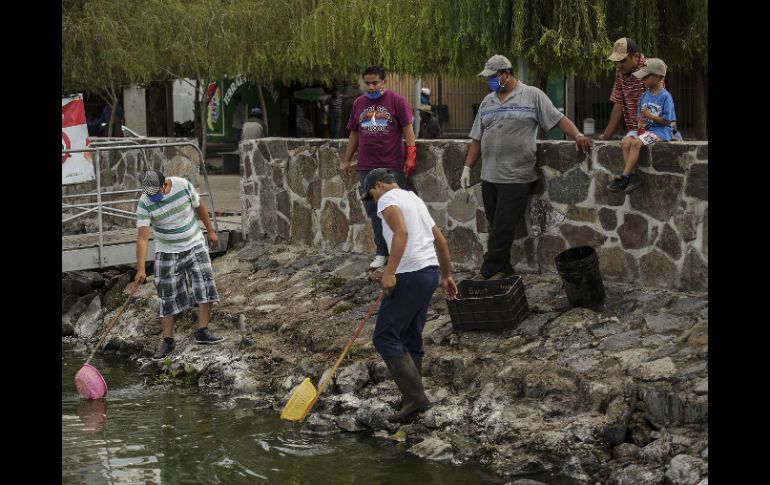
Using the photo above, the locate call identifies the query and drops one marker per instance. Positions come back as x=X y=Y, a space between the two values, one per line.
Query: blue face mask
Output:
x=374 y=96
x=494 y=83
x=157 y=197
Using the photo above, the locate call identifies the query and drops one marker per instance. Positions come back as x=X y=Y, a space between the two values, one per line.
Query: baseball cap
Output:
x=151 y=183
x=622 y=48
x=652 y=65
x=495 y=63
x=376 y=175
x=255 y=111
x=425 y=91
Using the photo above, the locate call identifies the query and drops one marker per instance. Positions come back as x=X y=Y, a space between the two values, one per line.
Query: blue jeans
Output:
x=371 y=210
x=403 y=312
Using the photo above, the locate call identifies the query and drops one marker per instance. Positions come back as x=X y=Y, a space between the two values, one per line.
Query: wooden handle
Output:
x=113 y=321
x=325 y=382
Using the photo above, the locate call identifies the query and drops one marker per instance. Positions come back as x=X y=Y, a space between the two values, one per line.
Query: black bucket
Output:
x=579 y=270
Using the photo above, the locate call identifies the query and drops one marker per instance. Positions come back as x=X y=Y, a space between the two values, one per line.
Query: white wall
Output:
x=184 y=99
x=135 y=109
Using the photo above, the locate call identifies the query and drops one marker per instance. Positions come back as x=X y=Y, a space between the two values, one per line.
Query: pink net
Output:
x=90 y=383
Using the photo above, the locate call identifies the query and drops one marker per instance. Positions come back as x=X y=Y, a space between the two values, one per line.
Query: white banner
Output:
x=75 y=167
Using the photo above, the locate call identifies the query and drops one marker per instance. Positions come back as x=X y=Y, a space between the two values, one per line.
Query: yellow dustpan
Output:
x=304 y=396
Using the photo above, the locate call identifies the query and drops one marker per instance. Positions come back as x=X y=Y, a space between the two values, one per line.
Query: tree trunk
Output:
x=700 y=109
x=203 y=101
x=202 y=118
x=196 y=114
x=112 y=101
x=439 y=99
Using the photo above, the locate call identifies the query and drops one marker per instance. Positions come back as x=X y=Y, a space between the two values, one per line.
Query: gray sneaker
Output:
x=203 y=336
x=618 y=184
x=165 y=348
x=634 y=182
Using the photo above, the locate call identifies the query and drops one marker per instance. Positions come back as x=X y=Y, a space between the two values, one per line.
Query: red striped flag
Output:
x=75 y=167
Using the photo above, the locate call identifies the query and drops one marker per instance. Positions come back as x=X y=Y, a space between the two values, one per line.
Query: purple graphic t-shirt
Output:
x=379 y=125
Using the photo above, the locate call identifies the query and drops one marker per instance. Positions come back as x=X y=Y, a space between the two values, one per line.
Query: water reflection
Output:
x=93 y=415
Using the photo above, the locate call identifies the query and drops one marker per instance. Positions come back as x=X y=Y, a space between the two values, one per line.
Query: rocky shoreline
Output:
x=617 y=394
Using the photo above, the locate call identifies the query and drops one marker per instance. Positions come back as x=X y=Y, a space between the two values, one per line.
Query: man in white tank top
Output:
x=419 y=261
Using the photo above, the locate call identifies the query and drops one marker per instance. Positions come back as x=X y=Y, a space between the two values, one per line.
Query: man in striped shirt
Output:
x=627 y=89
x=170 y=206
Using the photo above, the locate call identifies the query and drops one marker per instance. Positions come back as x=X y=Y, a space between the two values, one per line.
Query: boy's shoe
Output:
x=203 y=336
x=378 y=262
x=619 y=184
x=634 y=182
x=165 y=348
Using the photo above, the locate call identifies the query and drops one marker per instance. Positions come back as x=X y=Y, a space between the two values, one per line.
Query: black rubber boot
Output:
x=409 y=381
x=418 y=364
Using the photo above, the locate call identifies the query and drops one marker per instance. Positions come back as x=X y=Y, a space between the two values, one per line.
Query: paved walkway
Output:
x=226 y=191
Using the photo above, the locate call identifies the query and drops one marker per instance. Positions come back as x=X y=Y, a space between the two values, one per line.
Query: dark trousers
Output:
x=371 y=210
x=334 y=126
x=402 y=314
x=504 y=205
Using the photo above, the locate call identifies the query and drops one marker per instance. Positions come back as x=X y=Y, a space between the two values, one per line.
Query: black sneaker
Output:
x=619 y=184
x=634 y=182
x=165 y=348
x=203 y=336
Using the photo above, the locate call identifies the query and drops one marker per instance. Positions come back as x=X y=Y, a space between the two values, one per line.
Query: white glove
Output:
x=465 y=178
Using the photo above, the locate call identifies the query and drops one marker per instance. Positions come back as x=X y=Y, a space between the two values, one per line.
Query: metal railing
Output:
x=102 y=207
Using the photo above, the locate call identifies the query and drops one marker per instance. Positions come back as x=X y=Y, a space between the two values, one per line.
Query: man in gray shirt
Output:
x=504 y=133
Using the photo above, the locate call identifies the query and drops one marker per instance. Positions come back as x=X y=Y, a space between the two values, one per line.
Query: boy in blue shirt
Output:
x=655 y=114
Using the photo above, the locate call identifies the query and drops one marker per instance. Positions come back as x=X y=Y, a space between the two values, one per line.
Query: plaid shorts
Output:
x=172 y=271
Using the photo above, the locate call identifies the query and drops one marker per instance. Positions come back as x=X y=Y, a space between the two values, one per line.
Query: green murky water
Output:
x=175 y=434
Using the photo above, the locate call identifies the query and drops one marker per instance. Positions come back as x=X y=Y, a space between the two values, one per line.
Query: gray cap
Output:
x=152 y=181
x=376 y=175
x=652 y=65
x=495 y=63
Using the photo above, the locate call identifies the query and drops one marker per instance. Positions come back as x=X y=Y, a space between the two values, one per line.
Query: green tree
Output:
x=100 y=54
x=112 y=44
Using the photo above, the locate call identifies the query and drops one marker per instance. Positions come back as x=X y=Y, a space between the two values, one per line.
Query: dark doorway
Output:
x=160 y=113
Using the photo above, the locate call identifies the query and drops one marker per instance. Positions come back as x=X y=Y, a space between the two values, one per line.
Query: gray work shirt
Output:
x=508 y=133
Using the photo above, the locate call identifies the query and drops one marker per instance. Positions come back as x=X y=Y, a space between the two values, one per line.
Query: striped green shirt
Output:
x=173 y=219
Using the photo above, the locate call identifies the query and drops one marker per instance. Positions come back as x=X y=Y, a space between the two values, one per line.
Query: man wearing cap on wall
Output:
x=378 y=121
x=627 y=89
x=419 y=261
x=253 y=127
x=429 y=127
x=170 y=206
x=504 y=133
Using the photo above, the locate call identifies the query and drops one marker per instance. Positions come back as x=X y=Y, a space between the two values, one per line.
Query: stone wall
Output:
x=655 y=236
x=122 y=170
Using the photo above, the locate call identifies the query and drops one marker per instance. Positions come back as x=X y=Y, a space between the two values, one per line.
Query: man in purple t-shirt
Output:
x=378 y=121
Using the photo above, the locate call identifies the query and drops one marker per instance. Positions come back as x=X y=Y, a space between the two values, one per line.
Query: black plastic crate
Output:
x=489 y=305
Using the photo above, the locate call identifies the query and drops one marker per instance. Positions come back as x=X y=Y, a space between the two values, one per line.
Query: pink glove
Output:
x=411 y=160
